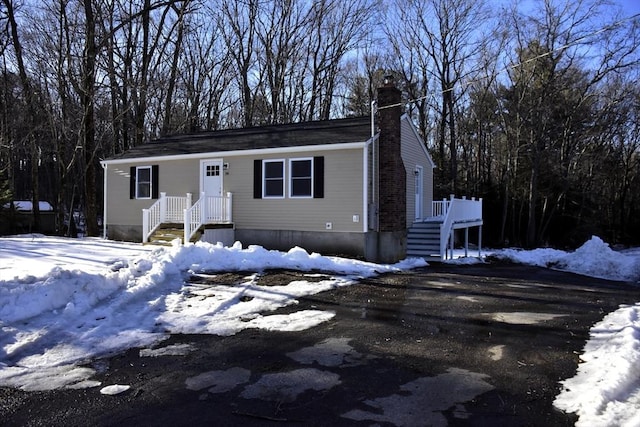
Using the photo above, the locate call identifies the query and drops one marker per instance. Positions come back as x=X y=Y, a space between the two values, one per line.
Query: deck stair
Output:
x=423 y=239
x=434 y=236
x=165 y=234
x=177 y=217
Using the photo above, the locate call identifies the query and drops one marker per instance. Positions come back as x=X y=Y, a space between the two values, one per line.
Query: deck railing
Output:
x=181 y=210
x=218 y=209
x=151 y=219
x=193 y=218
x=455 y=211
x=440 y=207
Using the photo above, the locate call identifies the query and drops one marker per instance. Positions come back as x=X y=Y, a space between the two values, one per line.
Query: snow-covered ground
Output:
x=606 y=389
x=64 y=302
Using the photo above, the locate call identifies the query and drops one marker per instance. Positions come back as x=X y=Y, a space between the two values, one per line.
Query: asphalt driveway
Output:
x=442 y=345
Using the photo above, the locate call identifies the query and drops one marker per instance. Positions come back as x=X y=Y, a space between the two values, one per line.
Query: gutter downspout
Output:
x=365 y=188
x=374 y=164
x=365 y=174
x=104 y=201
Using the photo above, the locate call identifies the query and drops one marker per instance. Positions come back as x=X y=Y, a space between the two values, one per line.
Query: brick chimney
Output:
x=392 y=210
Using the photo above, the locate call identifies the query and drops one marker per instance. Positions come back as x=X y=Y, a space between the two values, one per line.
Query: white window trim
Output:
x=138 y=169
x=264 y=179
x=309 y=159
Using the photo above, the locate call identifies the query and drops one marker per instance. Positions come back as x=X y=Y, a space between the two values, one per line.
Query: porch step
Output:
x=166 y=234
x=423 y=239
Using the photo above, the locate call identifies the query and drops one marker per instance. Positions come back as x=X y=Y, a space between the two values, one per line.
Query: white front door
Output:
x=211 y=173
x=418 y=187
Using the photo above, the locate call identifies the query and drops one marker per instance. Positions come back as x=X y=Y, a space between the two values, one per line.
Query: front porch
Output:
x=186 y=218
x=434 y=236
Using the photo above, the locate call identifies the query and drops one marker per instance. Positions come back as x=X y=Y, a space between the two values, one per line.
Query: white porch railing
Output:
x=440 y=208
x=456 y=211
x=207 y=210
x=174 y=206
x=193 y=218
x=152 y=217
x=181 y=210
x=218 y=209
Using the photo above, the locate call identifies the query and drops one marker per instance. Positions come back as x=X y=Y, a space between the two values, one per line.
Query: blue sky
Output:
x=630 y=7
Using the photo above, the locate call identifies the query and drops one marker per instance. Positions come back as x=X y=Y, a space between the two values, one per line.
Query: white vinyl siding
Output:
x=342 y=197
x=413 y=154
x=177 y=177
x=342 y=192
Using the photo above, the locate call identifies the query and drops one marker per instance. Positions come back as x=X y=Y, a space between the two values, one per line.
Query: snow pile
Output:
x=595 y=258
x=606 y=389
x=62 y=305
x=64 y=302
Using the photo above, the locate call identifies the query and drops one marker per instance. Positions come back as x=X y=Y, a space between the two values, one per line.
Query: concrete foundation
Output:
x=382 y=247
x=224 y=235
x=386 y=247
x=125 y=233
x=351 y=244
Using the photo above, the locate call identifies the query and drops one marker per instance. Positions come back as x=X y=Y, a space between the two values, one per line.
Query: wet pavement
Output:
x=442 y=345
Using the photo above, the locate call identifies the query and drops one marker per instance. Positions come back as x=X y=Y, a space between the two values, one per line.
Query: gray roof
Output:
x=261 y=137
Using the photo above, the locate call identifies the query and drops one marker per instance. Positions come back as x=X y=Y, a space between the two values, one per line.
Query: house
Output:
x=350 y=186
x=17 y=217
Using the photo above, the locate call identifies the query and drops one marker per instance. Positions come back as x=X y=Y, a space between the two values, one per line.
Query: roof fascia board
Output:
x=253 y=152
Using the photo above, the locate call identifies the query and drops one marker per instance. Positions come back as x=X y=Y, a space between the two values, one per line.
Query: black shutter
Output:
x=257 y=179
x=154 y=182
x=132 y=182
x=318 y=177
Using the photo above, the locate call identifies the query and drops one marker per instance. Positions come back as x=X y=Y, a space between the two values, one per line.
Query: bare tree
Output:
x=30 y=101
x=336 y=27
x=443 y=38
x=281 y=34
x=556 y=92
x=237 y=23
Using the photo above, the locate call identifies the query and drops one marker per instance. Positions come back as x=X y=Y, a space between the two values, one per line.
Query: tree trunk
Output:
x=531 y=239
x=168 y=105
x=88 y=123
x=31 y=120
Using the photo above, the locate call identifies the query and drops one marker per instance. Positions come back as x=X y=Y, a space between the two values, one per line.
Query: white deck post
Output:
x=466 y=242
x=187 y=225
x=451 y=241
x=145 y=225
x=163 y=207
x=229 y=217
x=204 y=208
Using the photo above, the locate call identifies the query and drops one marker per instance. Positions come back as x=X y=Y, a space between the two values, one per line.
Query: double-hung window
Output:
x=143 y=182
x=301 y=177
x=273 y=179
